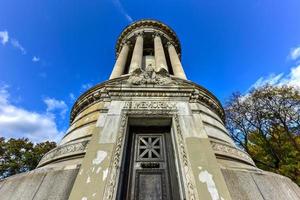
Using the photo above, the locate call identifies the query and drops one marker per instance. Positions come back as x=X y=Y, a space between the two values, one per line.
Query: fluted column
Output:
x=160 y=58
x=175 y=62
x=137 y=55
x=120 y=62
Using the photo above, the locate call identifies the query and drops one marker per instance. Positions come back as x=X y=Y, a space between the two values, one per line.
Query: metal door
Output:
x=151 y=168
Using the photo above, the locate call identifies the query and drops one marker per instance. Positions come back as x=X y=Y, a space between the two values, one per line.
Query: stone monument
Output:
x=147 y=133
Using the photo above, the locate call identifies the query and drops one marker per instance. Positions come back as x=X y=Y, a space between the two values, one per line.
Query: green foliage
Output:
x=21 y=155
x=266 y=123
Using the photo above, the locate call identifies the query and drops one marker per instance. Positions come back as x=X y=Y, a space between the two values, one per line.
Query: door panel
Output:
x=150 y=167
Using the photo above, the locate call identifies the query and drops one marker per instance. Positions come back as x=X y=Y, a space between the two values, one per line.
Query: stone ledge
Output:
x=67 y=150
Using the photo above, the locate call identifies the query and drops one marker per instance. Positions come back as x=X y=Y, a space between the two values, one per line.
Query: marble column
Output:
x=120 y=62
x=137 y=55
x=160 y=58
x=175 y=62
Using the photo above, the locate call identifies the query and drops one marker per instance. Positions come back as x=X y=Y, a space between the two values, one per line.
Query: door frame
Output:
x=186 y=181
x=150 y=121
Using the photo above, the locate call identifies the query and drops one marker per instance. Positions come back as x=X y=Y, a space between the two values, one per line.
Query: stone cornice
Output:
x=147 y=23
x=120 y=89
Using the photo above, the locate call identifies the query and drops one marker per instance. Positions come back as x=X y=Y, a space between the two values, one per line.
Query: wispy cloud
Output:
x=16 y=122
x=72 y=97
x=17 y=45
x=4 y=37
x=35 y=59
x=292 y=79
x=122 y=10
x=295 y=53
x=54 y=105
x=86 y=86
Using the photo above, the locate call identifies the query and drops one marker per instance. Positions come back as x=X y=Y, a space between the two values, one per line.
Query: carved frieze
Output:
x=73 y=148
x=232 y=152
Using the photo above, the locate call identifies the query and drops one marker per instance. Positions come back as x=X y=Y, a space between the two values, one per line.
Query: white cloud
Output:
x=272 y=79
x=56 y=105
x=122 y=10
x=72 y=96
x=294 y=76
x=86 y=86
x=4 y=37
x=295 y=53
x=16 y=122
x=17 y=45
x=292 y=79
x=35 y=59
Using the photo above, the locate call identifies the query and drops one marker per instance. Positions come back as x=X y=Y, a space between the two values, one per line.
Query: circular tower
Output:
x=150 y=132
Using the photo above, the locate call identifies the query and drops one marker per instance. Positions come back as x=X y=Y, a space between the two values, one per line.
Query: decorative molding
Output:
x=110 y=189
x=150 y=76
x=162 y=85
x=231 y=151
x=184 y=160
x=199 y=97
x=65 y=150
x=149 y=109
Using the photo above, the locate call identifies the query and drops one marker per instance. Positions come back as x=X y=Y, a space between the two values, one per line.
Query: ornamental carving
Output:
x=184 y=160
x=150 y=76
x=110 y=190
x=232 y=151
x=111 y=89
x=74 y=148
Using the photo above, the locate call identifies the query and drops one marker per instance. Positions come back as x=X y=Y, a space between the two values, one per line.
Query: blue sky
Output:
x=53 y=50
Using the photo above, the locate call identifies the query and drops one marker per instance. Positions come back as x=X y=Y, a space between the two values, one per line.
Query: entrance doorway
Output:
x=149 y=171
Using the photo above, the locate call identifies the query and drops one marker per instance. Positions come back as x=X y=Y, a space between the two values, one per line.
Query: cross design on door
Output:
x=149 y=147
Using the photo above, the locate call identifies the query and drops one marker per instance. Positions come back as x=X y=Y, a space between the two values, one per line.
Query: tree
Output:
x=266 y=123
x=21 y=155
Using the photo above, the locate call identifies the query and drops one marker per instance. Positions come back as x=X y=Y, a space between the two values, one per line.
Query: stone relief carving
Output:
x=150 y=76
x=232 y=152
x=184 y=160
x=75 y=148
x=110 y=190
x=116 y=161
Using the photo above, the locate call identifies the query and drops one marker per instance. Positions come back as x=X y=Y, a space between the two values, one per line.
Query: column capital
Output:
x=126 y=42
x=140 y=33
x=156 y=33
x=170 y=43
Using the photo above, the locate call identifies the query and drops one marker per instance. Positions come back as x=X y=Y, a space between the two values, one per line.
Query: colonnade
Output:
x=137 y=57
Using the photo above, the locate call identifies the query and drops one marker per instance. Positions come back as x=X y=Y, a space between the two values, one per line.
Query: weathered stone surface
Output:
x=269 y=187
x=57 y=185
x=23 y=186
x=249 y=185
x=39 y=185
x=241 y=185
